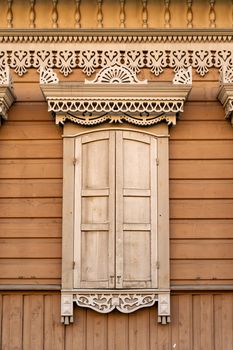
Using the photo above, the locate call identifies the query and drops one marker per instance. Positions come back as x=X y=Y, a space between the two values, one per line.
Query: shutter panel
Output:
x=136 y=210
x=94 y=210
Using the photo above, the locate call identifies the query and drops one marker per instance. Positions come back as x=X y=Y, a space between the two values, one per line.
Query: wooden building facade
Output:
x=48 y=52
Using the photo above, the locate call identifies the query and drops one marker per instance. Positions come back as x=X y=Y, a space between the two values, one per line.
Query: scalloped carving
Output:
x=116 y=74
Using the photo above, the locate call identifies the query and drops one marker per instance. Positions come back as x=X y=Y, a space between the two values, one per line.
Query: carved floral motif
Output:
x=90 y=60
x=125 y=303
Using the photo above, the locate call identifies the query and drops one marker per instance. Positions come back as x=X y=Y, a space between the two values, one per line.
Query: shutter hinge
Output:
x=157 y=264
x=73 y=265
x=157 y=161
x=75 y=160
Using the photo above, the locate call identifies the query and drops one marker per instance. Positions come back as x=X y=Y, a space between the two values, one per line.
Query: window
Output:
x=115 y=219
x=115 y=251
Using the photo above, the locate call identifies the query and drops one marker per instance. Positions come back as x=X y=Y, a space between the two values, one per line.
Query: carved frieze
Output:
x=120 y=96
x=155 y=57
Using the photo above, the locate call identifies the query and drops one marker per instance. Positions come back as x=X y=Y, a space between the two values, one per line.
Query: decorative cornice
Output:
x=138 y=103
x=115 y=35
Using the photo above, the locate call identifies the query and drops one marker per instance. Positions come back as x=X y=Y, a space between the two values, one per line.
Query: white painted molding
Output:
x=125 y=301
x=116 y=35
x=7 y=96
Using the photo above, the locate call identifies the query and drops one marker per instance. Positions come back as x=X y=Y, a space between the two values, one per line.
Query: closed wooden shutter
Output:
x=94 y=213
x=115 y=210
x=136 y=210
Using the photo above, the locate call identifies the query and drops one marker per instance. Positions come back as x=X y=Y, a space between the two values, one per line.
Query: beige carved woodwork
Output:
x=226 y=92
x=156 y=53
x=115 y=189
x=7 y=96
x=137 y=102
x=115 y=221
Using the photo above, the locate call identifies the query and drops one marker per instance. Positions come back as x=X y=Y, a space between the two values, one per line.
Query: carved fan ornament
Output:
x=116 y=74
x=116 y=95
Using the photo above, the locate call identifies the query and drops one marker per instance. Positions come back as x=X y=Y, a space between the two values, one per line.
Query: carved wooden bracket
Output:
x=7 y=96
x=225 y=94
x=116 y=95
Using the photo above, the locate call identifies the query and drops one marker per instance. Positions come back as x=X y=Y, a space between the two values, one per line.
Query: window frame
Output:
x=161 y=133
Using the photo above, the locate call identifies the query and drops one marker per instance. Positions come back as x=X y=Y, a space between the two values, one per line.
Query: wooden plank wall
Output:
x=30 y=190
x=199 y=322
x=201 y=188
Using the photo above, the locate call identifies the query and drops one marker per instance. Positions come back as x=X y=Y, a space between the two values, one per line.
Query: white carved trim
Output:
x=106 y=302
x=226 y=76
x=48 y=76
x=136 y=120
x=139 y=104
x=183 y=76
x=116 y=35
x=116 y=74
x=7 y=96
x=125 y=301
x=155 y=57
x=67 y=308
x=225 y=96
x=5 y=78
x=164 y=308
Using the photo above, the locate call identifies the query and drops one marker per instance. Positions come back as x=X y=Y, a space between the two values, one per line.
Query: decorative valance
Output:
x=116 y=95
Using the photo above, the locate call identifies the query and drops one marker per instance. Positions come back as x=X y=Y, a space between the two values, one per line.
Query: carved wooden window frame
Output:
x=117 y=96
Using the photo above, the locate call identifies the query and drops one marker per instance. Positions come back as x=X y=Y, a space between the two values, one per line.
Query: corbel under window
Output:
x=7 y=96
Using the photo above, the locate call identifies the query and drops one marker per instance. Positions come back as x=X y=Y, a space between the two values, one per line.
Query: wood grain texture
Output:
x=30 y=269
x=206 y=189
x=30 y=130
x=199 y=321
x=30 y=227
x=21 y=188
x=30 y=149
x=28 y=169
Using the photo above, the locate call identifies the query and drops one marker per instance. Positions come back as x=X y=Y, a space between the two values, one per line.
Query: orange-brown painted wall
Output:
x=201 y=188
